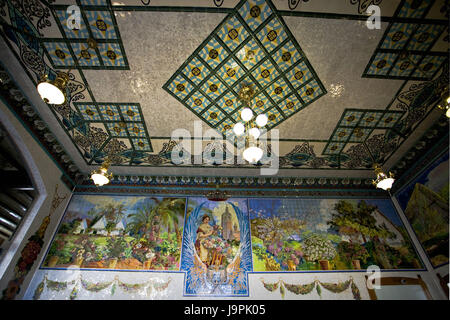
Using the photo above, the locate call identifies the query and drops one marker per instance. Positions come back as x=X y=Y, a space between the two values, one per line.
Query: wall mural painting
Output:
x=425 y=203
x=119 y=232
x=216 y=253
x=328 y=234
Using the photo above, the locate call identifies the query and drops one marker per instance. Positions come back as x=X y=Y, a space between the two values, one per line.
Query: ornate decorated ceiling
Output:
x=339 y=93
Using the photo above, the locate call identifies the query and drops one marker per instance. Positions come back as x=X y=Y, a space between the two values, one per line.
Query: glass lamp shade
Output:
x=385 y=184
x=448 y=113
x=238 y=129
x=101 y=176
x=261 y=120
x=51 y=93
x=99 y=179
x=383 y=181
x=255 y=132
x=252 y=154
x=246 y=114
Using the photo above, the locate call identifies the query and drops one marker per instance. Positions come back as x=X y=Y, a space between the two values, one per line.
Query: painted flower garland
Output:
x=304 y=289
x=81 y=283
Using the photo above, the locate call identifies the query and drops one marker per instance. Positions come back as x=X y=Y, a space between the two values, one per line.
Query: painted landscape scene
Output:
x=425 y=203
x=328 y=234
x=119 y=232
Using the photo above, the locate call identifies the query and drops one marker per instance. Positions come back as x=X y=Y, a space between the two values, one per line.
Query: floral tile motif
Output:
x=59 y=53
x=94 y=2
x=397 y=36
x=333 y=148
x=213 y=53
x=88 y=111
x=430 y=64
x=101 y=24
x=261 y=103
x=85 y=56
x=425 y=36
x=351 y=118
x=198 y=102
x=370 y=119
x=213 y=87
x=180 y=87
x=274 y=116
x=414 y=9
x=382 y=63
x=231 y=72
x=109 y=112
x=360 y=135
x=405 y=67
x=389 y=119
x=72 y=33
x=225 y=125
x=272 y=35
x=117 y=129
x=136 y=129
x=250 y=54
x=252 y=45
x=233 y=33
x=130 y=112
x=213 y=115
x=229 y=102
x=196 y=71
x=287 y=56
x=310 y=91
x=255 y=13
x=299 y=75
x=278 y=90
x=290 y=105
x=265 y=73
x=112 y=54
x=141 y=144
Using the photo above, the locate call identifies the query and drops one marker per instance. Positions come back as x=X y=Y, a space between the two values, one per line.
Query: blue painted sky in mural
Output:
x=314 y=211
x=81 y=204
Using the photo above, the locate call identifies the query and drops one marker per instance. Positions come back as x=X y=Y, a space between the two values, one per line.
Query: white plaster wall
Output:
x=45 y=175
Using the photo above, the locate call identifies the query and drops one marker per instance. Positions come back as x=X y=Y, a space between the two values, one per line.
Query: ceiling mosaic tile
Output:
x=59 y=54
x=80 y=32
x=414 y=8
x=96 y=23
x=290 y=105
x=122 y=121
x=85 y=56
x=233 y=33
x=88 y=111
x=413 y=38
x=252 y=45
x=425 y=36
x=101 y=24
x=356 y=126
x=94 y=2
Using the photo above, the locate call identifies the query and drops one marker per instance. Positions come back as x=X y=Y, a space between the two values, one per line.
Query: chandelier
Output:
x=101 y=175
x=250 y=126
x=53 y=91
x=383 y=181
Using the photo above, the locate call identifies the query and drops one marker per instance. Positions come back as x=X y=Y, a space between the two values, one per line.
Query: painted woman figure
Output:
x=204 y=233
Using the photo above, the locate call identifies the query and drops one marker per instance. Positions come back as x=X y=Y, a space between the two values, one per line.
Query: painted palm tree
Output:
x=141 y=221
x=170 y=211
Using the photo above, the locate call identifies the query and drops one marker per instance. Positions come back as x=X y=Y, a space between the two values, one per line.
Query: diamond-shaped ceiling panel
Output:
x=252 y=45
